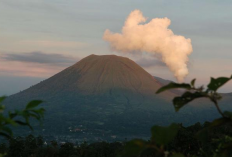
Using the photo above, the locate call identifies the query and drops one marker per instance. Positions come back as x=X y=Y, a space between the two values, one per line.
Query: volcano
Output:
x=102 y=95
x=110 y=76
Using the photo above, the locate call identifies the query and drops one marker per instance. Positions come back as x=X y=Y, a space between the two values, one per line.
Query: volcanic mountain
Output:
x=110 y=77
x=107 y=94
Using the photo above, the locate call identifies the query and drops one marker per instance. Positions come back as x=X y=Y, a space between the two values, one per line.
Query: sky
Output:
x=39 y=38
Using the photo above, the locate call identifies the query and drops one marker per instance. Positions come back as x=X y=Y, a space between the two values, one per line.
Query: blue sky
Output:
x=38 y=38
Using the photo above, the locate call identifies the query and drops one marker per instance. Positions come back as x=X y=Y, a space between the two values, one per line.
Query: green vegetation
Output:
x=185 y=142
x=19 y=117
x=31 y=146
x=162 y=136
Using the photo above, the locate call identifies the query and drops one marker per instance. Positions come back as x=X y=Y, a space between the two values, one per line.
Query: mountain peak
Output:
x=104 y=57
x=103 y=75
x=107 y=73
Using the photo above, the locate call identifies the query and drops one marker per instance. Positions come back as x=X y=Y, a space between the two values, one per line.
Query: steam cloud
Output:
x=155 y=38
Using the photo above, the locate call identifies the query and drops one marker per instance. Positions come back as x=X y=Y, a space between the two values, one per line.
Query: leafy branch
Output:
x=193 y=93
x=162 y=136
x=19 y=117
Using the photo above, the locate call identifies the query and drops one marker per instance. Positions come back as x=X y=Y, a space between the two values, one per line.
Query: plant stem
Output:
x=219 y=110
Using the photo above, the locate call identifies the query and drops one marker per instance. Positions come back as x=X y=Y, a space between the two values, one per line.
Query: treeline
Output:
x=186 y=142
x=31 y=146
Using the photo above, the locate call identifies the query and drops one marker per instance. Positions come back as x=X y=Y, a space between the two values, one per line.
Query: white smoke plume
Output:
x=155 y=38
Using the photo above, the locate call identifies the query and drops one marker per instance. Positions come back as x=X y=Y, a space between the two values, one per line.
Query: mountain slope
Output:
x=109 y=76
x=104 y=95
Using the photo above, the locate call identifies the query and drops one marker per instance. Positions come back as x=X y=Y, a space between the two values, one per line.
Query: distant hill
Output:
x=165 y=82
x=162 y=81
x=107 y=95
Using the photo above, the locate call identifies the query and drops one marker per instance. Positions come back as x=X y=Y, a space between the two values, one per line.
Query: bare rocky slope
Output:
x=107 y=75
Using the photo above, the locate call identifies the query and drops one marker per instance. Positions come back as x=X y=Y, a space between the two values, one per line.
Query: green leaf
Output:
x=225 y=150
x=173 y=85
x=180 y=101
x=2 y=108
x=5 y=135
x=219 y=122
x=39 y=111
x=36 y=116
x=12 y=115
x=164 y=135
x=27 y=113
x=3 y=155
x=228 y=114
x=33 y=104
x=21 y=123
x=217 y=83
x=203 y=135
x=134 y=148
x=2 y=99
x=193 y=82
x=7 y=130
x=10 y=121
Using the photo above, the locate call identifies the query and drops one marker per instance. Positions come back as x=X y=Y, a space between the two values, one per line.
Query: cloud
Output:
x=8 y=44
x=9 y=68
x=40 y=57
x=49 y=43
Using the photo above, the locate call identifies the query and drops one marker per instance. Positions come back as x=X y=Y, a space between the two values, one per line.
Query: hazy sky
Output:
x=38 y=38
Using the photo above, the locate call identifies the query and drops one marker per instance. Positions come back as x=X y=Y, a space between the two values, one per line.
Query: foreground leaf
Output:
x=187 y=97
x=2 y=98
x=164 y=135
x=7 y=130
x=217 y=83
x=203 y=135
x=33 y=104
x=4 y=135
x=173 y=85
x=134 y=148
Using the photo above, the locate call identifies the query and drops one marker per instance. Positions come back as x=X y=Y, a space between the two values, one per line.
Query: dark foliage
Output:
x=185 y=142
x=31 y=146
